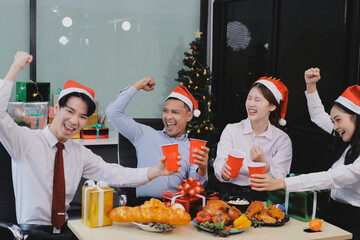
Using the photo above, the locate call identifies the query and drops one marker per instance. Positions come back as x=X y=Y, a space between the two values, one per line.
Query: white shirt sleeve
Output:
x=14 y=138
x=317 y=112
x=116 y=175
x=281 y=162
x=337 y=177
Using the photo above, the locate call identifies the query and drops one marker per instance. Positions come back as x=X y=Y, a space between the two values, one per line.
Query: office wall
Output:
x=100 y=50
x=14 y=32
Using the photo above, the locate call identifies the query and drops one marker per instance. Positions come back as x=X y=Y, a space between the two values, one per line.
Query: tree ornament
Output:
x=198 y=34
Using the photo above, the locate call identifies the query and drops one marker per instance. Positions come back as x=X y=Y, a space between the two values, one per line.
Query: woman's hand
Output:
x=263 y=182
x=257 y=155
x=225 y=171
x=312 y=76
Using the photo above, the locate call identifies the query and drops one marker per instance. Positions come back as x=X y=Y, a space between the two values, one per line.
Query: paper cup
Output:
x=256 y=168
x=235 y=161
x=195 y=144
x=171 y=153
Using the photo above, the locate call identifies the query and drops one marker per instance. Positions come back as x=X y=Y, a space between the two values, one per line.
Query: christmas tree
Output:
x=196 y=77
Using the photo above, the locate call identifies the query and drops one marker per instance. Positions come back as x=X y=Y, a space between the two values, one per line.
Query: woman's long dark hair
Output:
x=274 y=116
x=338 y=146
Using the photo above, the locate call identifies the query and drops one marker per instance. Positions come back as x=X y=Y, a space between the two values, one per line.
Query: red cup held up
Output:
x=195 y=144
x=256 y=168
x=171 y=152
x=235 y=161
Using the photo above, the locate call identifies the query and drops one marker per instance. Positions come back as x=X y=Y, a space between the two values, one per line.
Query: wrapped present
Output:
x=32 y=91
x=51 y=114
x=33 y=115
x=303 y=206
x=76 y=136
x=36 y=121
x=190 y=194
x=93 y=119
x=97 y=202
x=97 y=131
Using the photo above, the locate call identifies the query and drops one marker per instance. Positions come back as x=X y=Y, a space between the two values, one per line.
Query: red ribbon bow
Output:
x=190 y=186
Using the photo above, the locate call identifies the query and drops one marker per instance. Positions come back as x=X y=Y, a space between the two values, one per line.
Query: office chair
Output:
x=8 y=223
x=127 y=155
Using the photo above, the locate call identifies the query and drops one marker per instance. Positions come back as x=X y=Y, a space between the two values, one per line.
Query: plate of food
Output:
x=285 y=220
x=266 y=216
x=154 y=227
x=213 y=229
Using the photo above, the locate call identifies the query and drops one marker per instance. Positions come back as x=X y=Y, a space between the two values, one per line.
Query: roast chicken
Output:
x=220 y=210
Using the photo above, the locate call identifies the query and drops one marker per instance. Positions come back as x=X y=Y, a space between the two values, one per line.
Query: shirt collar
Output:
x=183 y=137
x=52 y=140
x=268 y=133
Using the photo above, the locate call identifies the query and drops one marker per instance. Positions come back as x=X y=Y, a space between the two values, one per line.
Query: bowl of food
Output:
x=239 y=202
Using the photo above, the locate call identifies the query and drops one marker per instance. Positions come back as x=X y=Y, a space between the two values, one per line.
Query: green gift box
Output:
x=32 y=91
x=303 y=206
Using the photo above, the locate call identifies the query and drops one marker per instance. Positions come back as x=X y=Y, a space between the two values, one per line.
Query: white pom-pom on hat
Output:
x=282 y=122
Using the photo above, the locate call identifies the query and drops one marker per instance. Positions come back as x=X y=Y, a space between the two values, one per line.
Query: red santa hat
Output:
x=351 y=98
x=181 y=93
x=72 y=86
x=280 y=92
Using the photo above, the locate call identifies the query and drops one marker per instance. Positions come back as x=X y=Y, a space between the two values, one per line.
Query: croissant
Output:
x=143 y=214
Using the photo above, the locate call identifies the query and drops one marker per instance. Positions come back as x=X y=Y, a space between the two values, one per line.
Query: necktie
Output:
x=58 y=197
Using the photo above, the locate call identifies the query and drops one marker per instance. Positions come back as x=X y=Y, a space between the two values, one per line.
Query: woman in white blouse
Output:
x=258 y=137
x=343 y=178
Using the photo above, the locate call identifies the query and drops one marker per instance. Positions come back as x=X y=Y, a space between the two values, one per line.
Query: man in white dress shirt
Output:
x=33 y=153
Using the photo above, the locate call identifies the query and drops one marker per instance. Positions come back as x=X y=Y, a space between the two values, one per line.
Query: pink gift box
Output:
x=35 y=121
x=51 y=113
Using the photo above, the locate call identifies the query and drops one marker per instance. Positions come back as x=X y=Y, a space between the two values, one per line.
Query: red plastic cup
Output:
x=256 y=168
x=171 y=152
x=195 y=144
x=235 y=161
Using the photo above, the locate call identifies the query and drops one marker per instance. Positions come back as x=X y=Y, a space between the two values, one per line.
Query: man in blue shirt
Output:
x=179 y=108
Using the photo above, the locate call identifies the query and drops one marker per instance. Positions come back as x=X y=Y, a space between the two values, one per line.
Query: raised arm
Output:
x=14 y=138
x=125 y=124
x=315 y=107
x=21 y=60
x=312 y=76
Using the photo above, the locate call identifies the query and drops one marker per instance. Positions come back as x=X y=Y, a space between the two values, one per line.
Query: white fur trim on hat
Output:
x=197 y=112
x=272 y=87
x=71 y=90
x=181 y=97
x=282 y=122
x=348 y=104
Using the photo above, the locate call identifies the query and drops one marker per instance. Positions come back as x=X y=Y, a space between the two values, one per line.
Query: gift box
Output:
x=94 y=132
x=76 y=136
x=32 y=91
x=97 y=202
x=33 y=115
x=303 y=206
x=51 y=114
x=192 y=204
x=93 y=119
x=190 y=194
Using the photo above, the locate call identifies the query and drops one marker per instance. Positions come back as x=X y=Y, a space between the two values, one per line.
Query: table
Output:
x=292 y=230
